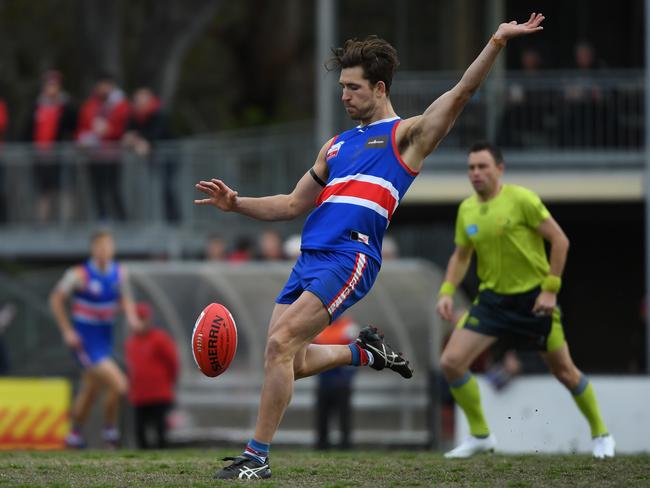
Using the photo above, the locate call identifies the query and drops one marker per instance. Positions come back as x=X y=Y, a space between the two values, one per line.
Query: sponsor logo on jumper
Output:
x=472 y=229
x=377 y=142
x=334 y=150
x=358 y=236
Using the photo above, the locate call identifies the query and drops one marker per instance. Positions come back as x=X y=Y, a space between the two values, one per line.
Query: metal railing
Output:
x=554 y=120
x=547 y=110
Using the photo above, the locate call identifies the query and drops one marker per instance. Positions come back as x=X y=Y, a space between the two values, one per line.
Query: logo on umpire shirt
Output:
x=376 y=142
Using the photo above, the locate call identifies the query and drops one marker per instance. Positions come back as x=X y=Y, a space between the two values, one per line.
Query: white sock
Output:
x=371 y=358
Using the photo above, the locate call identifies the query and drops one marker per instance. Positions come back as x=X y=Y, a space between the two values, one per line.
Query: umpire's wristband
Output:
x=447 y=288
x=552 y=284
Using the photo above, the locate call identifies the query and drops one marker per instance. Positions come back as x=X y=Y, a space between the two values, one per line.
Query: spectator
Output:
x=334 y=391
x=148 y=126
x=102 y=122
x=270 y=246
x=586 y=111
x=525 y=119
x=52 y=119
x=152 y=364
x=243 y=251
x=291 y=246
x=4 y=124
x=215 y=248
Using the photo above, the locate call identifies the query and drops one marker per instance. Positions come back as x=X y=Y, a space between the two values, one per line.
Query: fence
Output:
x=49 y=200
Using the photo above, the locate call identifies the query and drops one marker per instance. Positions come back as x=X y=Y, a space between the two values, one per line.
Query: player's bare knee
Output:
x=569 y=377
x=452 y=365
x=120 y=387
x=278 y=349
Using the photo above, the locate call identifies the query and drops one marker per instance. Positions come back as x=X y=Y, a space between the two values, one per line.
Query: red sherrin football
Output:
x=214 y=340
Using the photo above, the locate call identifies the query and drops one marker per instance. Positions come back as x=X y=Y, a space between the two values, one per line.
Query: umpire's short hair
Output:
x=489 y=147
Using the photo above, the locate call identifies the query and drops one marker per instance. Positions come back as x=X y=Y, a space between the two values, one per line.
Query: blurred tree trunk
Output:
x=170 y=27
x=162 y=33
x=99 y=23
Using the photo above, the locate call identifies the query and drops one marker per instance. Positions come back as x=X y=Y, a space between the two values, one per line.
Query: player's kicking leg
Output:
x=463 y=348
x=290 y=356
x=562 y=367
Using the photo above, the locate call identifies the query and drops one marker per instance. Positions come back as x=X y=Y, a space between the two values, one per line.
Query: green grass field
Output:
x=304 y=468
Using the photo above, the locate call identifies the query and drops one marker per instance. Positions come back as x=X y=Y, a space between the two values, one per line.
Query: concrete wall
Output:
x=537 y=414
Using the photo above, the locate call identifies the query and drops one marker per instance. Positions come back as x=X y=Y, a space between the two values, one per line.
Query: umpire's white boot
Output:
x=603 y=446
x=473 y=445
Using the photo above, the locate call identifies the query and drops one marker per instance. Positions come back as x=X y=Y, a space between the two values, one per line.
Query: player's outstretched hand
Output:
x=510 y=30
x=219 y=195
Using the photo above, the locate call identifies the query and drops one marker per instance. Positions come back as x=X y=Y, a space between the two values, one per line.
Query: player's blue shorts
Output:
x=339 y=279
x=96 y=343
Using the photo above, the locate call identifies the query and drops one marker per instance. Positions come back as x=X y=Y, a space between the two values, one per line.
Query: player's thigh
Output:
x=464 y=347
x=110 y=374
x=276 y=315
x=90 y=383
x=300 y=323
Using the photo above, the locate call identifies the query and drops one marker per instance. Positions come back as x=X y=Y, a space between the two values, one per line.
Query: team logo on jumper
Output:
x=333 y=150
x=95 y=287
x=376 y=142
x=471 y=229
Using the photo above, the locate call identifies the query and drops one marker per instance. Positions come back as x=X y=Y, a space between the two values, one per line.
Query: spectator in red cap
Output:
x=152 y=364
x=52 y=120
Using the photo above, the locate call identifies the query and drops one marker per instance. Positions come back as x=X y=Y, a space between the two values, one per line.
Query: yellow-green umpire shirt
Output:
x=510 y=253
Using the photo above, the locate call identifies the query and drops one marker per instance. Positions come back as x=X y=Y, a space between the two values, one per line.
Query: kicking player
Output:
x=97 y=288
x=352 y=191
x=506 y=225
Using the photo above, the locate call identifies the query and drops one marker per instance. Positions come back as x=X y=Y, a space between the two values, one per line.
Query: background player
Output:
x=365 y=172
x=97 y=289
x=506 y=225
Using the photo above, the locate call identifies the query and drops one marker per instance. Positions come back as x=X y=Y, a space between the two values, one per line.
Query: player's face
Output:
x=103 y=249
x=358 y=97
x=484 y=173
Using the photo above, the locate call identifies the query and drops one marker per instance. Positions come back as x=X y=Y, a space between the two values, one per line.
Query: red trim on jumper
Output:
x=331 y=142
x=361 y=189
x=92 y=312
x=396 y=151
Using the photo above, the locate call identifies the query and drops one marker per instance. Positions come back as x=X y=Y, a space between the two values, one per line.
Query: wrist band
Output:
x=500 y=43
x=552 y=283
x=447 y=288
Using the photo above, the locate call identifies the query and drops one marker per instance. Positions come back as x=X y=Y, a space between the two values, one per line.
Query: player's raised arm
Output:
x=423 y=133
x=275 y=207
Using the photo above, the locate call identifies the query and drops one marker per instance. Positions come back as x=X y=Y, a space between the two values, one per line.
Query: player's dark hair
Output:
x=489 y=147
x=377 y=58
